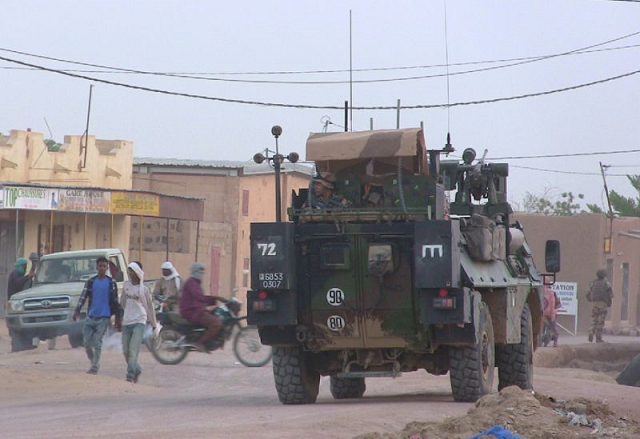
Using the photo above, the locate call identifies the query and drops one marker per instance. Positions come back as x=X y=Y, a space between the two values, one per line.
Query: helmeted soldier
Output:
x=600 y=294
x=323 y=196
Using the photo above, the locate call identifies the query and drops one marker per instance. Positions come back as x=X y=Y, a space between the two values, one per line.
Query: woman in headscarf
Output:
x=169 y=285
x=138 y=310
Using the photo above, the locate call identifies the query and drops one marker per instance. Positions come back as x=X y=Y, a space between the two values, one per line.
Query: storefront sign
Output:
x=30 y=198
x=81 y=200
x=130 y=203
x=568 y=294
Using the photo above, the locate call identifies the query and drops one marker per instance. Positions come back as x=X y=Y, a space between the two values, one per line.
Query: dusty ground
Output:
x=47 y=394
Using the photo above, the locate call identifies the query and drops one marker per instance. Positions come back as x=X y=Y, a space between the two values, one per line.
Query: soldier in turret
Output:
x=600 y=293
x=324 y=196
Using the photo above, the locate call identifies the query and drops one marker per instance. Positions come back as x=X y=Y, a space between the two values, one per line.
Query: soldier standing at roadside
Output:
x=600 y=293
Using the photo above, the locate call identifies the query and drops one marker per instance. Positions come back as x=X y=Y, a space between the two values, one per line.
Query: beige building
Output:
x=589 y=242
x=235 y=193
x=70 y=196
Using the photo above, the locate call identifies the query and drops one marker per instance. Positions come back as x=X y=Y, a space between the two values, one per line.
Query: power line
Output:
x=575 y=154
x=320 y=107
x=558 y=171
x=303 y=72
x=362 y=81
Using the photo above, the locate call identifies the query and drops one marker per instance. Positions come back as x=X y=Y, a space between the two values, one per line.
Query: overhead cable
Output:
x=574 y=154
x=304 y=72
x=559 y=171
x=361 y=81
x=320 y=107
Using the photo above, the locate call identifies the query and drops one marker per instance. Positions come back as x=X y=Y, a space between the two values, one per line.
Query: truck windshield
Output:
x=66 y=270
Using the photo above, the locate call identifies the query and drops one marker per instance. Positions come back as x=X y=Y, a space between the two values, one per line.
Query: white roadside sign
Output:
x=568 y=294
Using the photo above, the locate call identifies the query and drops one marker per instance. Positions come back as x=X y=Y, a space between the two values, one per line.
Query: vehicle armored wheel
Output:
x=344 y=388
x=471 y=368
x=76 y=340
x=515 y=361
x=166 y=347
x=295 y=382
x=21 y=341
x=248 y=349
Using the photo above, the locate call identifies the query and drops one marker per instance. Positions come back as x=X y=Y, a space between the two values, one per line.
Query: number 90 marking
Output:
x=335 y=297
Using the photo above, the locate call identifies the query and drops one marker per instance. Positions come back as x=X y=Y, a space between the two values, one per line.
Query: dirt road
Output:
x=47 y=394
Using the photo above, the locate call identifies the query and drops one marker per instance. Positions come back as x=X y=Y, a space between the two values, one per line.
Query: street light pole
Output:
x=277 y=160
x=276 y=130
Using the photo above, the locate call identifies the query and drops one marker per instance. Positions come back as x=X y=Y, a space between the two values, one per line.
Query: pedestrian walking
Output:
x=138 y=310
x=551 y=305
x=102 y=293
x=18 y=281
x=600 y=294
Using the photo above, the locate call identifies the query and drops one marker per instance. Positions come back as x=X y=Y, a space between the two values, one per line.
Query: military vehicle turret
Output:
x=394 y=278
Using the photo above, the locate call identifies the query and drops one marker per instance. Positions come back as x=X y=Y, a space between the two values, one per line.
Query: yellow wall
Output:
x=24 y=158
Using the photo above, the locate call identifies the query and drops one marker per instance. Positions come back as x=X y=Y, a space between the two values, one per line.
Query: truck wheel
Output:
x=515 y=361
x=343 y=388
x=471 y=368
x=295 y=382
x=75 y=340
x=21 y=341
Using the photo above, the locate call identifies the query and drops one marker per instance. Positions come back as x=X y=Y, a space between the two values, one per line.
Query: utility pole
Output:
x=610 y=215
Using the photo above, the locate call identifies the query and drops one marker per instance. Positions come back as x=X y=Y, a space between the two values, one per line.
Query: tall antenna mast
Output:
x=350 y=75
x=447 y=147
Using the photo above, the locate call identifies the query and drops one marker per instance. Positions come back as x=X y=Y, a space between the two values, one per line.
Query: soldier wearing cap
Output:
x=600 y=293
x=323 y=197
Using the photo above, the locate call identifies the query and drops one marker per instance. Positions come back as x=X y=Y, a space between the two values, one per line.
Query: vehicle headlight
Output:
x=16 y=305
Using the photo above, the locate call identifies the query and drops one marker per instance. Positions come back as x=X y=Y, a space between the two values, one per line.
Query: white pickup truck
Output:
x=46 y=309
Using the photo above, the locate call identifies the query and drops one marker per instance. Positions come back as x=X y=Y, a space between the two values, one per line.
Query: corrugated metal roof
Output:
x=154 y=161
x=248 y=167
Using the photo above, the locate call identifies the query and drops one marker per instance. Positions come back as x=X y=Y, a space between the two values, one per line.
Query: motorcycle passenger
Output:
x=193 y=305
x=169 y=285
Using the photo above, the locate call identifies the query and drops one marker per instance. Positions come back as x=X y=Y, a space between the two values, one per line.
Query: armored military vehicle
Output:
x=395 y=278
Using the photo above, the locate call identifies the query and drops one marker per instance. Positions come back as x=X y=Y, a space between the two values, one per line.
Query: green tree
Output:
x=627 y=206
x=566 y=204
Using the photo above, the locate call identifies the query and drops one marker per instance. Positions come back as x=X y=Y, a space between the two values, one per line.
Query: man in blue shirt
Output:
x=102 y=292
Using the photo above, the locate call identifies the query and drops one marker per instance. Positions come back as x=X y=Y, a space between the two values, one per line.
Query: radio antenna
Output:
x=448 y=147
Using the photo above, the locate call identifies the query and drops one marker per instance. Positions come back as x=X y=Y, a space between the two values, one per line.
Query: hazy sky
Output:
x=266 y=36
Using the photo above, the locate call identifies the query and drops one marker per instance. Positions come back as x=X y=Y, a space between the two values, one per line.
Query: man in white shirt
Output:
x=138 y=310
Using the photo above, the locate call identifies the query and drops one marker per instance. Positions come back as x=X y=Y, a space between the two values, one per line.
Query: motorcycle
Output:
x=177 y=336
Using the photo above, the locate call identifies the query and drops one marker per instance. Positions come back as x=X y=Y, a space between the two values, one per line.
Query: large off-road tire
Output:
x=248 y=349
x=296 y=382
x=471 y=368
x=515 y=361
x=21 y=341
x=165 y=349
x=344 y=388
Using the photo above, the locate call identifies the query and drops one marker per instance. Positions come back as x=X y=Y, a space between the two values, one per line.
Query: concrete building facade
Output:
x=589 y=242
x=71 y=196
x=236 y=194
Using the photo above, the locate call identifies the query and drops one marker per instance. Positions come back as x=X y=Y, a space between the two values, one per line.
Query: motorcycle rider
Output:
x=193 y=305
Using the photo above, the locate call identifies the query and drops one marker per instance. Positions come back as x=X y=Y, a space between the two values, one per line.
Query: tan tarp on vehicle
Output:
x=366 y=145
